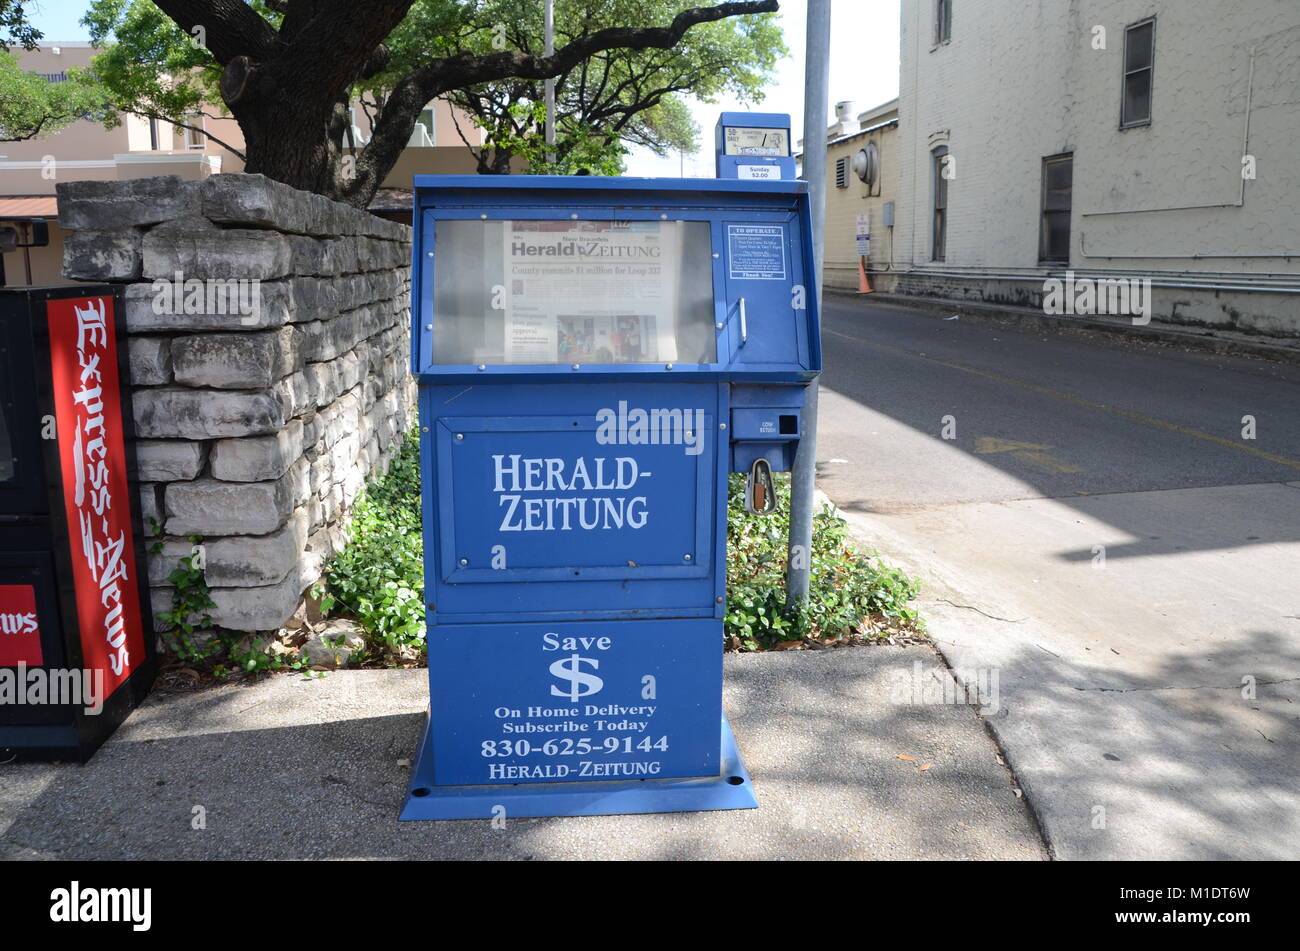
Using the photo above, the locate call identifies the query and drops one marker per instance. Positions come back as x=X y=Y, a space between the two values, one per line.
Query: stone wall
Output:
x=269 y=343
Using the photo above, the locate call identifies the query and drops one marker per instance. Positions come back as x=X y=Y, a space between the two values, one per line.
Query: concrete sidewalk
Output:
x=290 y=768
x=1127 y=724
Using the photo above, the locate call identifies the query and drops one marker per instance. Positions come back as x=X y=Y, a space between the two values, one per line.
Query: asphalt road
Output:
x=1092 y=525
x=1112 y=416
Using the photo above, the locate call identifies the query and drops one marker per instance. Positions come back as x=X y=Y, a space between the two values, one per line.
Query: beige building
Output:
x=1140 y=139
x=861 y=182
x=140 y=148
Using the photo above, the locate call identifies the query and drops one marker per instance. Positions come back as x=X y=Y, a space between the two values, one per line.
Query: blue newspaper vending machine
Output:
x=595 y=356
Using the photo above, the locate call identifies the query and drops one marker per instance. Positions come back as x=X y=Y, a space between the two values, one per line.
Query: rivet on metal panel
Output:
x=482 y=366
x=576 y=365
x=717 y=600
x=460 y=436
x=428 y=326
x=716 y=255
x=719 y=326
x=484 y=217
x=668 y=366
x=664 y=217
x=574 y=216
x=464 y=562
x=686 y=557
x=430 y=254
x=424 y=429
x=722 y=425
x=431 y=606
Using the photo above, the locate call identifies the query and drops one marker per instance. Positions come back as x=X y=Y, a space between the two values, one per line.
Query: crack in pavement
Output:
x=1261 y=683
x=994 y=617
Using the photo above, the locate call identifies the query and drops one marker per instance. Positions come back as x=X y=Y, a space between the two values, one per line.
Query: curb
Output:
x=1208 y=340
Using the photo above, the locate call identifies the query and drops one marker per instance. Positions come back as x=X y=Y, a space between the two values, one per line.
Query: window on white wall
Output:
x=942 y=21
x=425 y=129
x=1139 y=68
x=1058 y=191
x=939 y=220
x=194 y=137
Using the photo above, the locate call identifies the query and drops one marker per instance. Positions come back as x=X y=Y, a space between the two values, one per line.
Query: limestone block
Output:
x=169 y=460
x=257 y=458
x=209 y=507
x=183 y=413
x=102 y=255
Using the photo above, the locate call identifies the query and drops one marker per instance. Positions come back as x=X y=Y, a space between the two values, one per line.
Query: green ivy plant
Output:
x=850 y=594
x=379 y=577
x=191 y=599
x=222 y=651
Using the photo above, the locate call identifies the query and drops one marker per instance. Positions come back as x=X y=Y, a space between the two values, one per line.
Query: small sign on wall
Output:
x=862 y=233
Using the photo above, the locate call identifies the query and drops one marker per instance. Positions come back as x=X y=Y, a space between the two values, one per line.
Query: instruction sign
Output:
x=862 y=235
x=756 y=252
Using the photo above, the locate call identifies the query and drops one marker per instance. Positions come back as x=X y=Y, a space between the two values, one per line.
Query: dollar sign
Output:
x=570 y=669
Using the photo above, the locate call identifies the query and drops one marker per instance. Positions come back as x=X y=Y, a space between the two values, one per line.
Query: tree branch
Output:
x=231 y=27
x=464 y=69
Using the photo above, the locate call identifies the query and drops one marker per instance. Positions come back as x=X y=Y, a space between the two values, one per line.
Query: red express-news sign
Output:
x=92 y=457
x=20 y=630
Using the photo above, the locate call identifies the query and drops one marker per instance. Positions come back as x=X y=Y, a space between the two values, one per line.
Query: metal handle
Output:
x=744 y=324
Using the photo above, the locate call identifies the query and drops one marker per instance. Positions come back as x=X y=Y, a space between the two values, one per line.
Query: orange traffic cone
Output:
x=864 y=285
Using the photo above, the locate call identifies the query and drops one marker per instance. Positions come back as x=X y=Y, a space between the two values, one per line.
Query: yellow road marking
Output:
x=1026 y=451
x=987 y=444
x=1080 y=401
x=1044 y=461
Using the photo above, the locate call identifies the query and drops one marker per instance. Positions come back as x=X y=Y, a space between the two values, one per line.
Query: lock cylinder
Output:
x=760 y=489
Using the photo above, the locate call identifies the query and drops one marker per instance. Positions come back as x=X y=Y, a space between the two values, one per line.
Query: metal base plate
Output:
x=731 y=789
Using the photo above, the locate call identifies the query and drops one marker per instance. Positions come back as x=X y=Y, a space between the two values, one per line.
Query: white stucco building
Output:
x=1115 y=138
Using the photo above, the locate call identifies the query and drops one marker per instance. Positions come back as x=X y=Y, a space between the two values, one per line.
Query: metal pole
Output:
x=550 y=83
x=803 y=479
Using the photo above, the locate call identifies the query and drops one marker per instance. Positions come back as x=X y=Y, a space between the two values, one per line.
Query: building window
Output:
x=1054 y=232
x=942 y=21
x=194 y=137
x=842 y=172
x=153 y=135
x=1139 y=63
x=426 y=128
x=940 y=191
